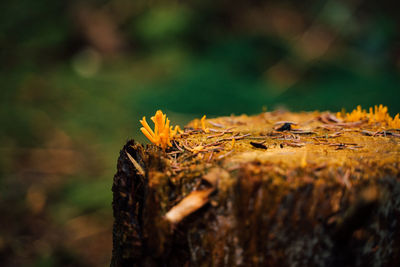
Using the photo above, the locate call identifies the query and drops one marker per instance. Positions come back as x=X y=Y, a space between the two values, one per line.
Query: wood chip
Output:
x=258 y=145
x=285 y=127
x=192 y=202
x=213 y=176
x=329 y=118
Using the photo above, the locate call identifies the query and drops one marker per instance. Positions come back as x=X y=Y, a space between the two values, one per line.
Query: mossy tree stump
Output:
x=293 y=189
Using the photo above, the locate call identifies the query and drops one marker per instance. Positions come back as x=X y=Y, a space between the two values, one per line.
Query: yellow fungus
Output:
x=203 y=124
x=173 y=132
x=377 y=114
x=357 y=114
x=233 y=143
x=341 y=114
x=394 y=123
x=163 y=133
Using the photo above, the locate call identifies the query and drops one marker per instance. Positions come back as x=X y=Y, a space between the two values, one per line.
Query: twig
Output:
x=226 y=154
x=221 y=133
x=294 y=144
x=236 y=137
x=213 y=144
x=135 y=164
x=216 y=124
x=174 y=152
x=211 y=155
x=178 y=147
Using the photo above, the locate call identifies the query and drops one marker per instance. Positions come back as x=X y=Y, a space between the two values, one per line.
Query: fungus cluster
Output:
x=163 y=133
x=378 y=114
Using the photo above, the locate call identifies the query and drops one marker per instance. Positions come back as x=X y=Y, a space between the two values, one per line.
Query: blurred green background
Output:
x=76 y=76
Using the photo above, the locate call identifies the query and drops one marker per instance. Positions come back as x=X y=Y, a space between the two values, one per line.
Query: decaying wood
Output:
x=312 y=190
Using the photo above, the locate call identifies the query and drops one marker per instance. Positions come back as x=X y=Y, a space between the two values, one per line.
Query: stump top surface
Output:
x=288 y=148
x=292 y=140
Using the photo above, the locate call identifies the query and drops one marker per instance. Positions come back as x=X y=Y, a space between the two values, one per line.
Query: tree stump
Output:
x=276 y=189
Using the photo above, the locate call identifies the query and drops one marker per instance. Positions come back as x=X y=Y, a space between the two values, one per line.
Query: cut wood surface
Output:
x=275 y=189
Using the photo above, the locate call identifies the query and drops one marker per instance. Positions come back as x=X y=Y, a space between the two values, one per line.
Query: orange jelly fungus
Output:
x=394 y=123
x=203 y=124
x=163 y=133
x=377 y=114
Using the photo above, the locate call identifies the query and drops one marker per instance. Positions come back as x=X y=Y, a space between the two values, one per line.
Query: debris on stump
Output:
x=275 y=189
